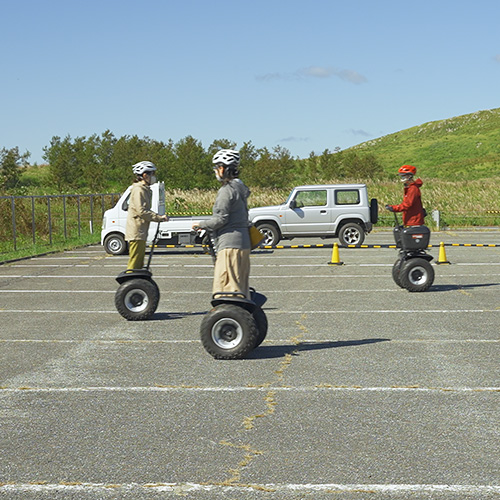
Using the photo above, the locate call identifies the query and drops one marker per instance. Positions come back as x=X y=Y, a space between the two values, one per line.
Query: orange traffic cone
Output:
x=442 y=255
x=335 y=256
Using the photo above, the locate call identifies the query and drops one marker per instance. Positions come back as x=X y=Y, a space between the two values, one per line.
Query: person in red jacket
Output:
x=411 y=206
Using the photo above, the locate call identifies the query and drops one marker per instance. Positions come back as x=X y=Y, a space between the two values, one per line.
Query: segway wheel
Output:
x=261 y=321
x=137 y=299
x=416 y=275
x=229 y=332
x=396 y=270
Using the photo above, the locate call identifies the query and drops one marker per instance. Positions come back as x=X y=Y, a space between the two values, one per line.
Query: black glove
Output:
x=389 y=207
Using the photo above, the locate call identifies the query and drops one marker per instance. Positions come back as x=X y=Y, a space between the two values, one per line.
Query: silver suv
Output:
x=340 y=211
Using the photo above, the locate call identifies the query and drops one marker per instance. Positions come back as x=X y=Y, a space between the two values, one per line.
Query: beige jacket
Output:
x=139 y=212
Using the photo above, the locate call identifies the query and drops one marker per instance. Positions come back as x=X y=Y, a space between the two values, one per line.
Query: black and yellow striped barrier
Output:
x=183 y=214
x=330 y=245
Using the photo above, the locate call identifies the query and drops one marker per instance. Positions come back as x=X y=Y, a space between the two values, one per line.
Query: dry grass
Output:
x=453 y=197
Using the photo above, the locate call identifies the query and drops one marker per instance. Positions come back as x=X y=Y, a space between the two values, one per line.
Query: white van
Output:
x=177 y=231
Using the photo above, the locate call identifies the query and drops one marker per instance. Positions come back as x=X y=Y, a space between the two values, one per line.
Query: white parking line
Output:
x=476 y=490
x=181 y=388
x=342 y=311
x=267 y=342
x=252 y=277
x=60 y=291
x=203 y=292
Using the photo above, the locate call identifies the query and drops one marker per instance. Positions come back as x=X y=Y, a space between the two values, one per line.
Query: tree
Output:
x=274 y=168
x=360 y=167
x=219 y=144
x=86 y=153
x=12 y=164
x=330 y=166
x=248 y=157
x=62 y=169
x=193 y=168
x=163 y=156
x=126 y=151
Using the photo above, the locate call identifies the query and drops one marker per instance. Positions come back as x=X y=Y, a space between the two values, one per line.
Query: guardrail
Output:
x=44 y=219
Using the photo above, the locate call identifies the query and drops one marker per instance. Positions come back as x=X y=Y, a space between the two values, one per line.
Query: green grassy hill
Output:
x=463 y=147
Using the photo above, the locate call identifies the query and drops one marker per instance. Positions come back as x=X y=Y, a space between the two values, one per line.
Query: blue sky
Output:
x=307 y=75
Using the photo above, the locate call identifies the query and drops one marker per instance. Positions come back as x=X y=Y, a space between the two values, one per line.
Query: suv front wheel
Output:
x=351 y=234
x=270 y=232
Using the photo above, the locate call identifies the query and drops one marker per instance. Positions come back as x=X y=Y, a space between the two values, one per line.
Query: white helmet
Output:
x=228 y=157
x=142 y=167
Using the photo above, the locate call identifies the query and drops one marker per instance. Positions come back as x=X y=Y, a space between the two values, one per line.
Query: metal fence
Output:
x=26 y=221
x=44 y=220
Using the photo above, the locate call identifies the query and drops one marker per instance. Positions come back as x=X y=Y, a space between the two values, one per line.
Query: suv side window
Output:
x=347 y=197
x=316 y=198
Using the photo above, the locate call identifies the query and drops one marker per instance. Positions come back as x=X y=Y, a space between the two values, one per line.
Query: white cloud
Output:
x=294 y=139
x=497 y=58
x=362 y=133
x=348 y=75
x=352 y=76
x=272 y=76
x=317 y=72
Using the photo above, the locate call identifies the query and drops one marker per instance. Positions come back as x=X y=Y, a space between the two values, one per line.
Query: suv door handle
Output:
x=322 y=211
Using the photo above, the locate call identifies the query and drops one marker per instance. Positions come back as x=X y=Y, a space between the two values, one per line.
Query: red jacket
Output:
x=411 y=206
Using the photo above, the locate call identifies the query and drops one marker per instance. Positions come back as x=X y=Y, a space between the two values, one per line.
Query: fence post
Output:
x=33 y=224
x=79 y=216
x=50 y=220
x=13 y=210
x=436 y=216
x=91 y=214
x=64 y=217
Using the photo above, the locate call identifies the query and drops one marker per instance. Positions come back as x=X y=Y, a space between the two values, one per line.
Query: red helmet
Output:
x=407 y=169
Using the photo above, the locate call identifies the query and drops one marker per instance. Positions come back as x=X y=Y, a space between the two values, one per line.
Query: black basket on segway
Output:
x=412 y=238
x=412 y=270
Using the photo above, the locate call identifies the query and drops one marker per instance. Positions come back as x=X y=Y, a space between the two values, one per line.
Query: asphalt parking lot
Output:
x=361 y=389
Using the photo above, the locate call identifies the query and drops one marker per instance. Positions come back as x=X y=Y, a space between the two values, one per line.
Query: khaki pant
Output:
x=136 y=250
x=232 y=271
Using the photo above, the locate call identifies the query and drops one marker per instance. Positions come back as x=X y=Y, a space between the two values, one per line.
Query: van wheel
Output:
x=137 y=299
x=228 y=332
x=416 y=275
x=351 y=234
x=270 y=232
x=115 y=244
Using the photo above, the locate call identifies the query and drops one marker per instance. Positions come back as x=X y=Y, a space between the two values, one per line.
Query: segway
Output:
x=235 y=325
x=412 y=270
x=138 y=295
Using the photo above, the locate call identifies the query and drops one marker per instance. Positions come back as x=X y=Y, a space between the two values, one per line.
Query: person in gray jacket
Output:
x=229 y=226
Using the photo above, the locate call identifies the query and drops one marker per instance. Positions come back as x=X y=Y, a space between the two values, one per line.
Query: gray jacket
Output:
x=229 y=223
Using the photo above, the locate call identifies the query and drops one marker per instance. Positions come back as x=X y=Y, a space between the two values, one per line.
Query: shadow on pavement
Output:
x=448 y=288
x=267 y=352
x=175 y=315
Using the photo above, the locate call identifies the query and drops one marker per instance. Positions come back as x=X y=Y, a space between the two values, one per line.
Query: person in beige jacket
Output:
x=139 y=213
